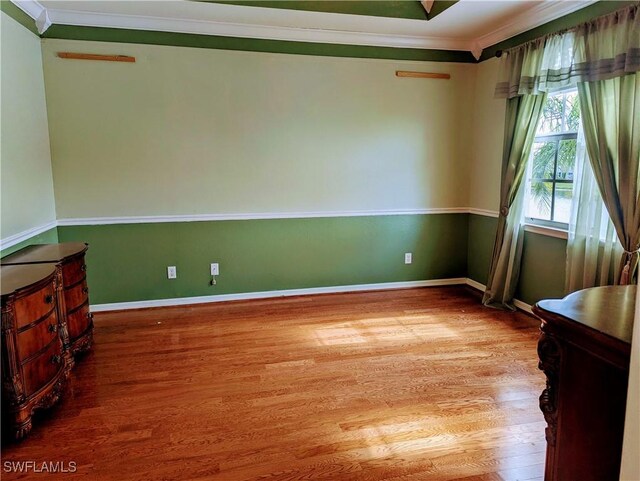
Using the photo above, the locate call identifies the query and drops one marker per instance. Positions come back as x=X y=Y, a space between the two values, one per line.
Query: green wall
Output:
x=482 y=232
x=127 y=262
x=543 y=260
x=543 y=268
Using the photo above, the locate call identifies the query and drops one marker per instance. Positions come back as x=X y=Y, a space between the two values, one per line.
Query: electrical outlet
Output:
x=171 y=272
x=408 y=258
x=215 y=269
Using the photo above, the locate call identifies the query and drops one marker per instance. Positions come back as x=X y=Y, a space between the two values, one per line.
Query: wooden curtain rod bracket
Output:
x=405 y=73
x=92 y=56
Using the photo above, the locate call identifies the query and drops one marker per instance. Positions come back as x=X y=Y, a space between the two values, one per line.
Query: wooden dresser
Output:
x=71 y=257
x=584 y=350
x=35 y=361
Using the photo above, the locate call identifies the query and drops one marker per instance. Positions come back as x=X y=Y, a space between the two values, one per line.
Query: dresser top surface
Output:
x=44 y=253
x=609 y=310
x=15 y=278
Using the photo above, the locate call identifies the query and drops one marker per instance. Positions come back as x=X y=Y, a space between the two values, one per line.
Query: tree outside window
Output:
x=552 y=163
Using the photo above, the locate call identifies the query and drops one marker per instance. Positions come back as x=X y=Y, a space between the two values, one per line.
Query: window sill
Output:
x=548 y=231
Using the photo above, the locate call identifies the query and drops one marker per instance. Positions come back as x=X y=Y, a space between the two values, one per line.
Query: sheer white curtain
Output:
x=593 y=248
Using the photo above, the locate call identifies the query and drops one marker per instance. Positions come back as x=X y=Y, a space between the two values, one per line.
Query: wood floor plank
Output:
x=407 y=385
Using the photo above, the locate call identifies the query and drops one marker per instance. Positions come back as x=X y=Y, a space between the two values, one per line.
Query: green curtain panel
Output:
x=523 y=114
x=519 y=70
x=611 y=118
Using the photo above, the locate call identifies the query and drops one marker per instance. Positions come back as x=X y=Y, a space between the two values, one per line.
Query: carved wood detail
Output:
x=8 y=318
x=62 y=320
x=52 y=396
x=85 y=342
x=21 y=422
x=550 y=353
x=11 y=378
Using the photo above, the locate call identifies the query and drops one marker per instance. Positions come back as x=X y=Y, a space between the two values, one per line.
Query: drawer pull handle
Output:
x=85 y=290
x=55 y=359
x=48 y=299
x=83 y=267
x=53 y=328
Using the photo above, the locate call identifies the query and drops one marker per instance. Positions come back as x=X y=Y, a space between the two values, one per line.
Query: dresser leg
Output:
x=21 y=425
x=84 y=343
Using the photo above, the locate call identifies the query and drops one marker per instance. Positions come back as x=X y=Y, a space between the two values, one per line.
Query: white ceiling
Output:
x=469 y=25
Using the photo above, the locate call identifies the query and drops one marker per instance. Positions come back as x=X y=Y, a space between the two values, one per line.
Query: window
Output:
x=553 y=157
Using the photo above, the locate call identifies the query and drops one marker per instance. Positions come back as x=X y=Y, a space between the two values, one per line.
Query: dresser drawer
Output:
x=30 y=308
x=39 y=371
x=37 y=337
x=76 y=296
x=73 y=271
x=78 y=321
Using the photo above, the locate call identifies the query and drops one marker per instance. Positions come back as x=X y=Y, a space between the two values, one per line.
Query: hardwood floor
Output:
x=408 y=385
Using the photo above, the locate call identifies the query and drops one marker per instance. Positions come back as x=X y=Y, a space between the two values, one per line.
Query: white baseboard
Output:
x=475 y=284
x=523 y=306
x=181 y=301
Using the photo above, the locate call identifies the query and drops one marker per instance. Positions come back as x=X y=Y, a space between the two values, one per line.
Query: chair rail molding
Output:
x=14 y=239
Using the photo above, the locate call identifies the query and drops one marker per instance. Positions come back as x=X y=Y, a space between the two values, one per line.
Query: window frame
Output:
x=556 y=138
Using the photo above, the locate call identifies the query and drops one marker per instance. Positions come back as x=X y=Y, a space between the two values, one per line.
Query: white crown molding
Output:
x=26 y=235
x=539 y=15
x=252 y=216
x=265 y=32
x=33 y=8
x=531 y=18
x=43 y=22
x=181 y=301
x=476 y=49
x=37 y=11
